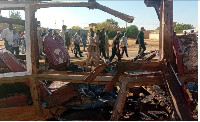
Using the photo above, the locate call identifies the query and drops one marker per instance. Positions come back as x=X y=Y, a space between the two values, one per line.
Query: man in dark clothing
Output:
x=140 y=42
x=102 y=44
x=140 y=39
x=115 y=47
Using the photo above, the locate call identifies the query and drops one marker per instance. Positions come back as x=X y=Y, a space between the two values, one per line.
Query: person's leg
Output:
x=7 y=46
x=84 y=45
x=104 y=52
x=122 y=51
x=75 y=50
x=107 y=50
x=118 y=56
x=140 y=48
x=78 y=48
x=17 y=50
x=11 y=49
x=113 y=54
x=125 y=48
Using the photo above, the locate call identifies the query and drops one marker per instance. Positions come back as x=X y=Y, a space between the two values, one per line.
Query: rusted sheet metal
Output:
x=24 y=113
x=121 y=99
x=176 y=93
x=60 y=93
x=14 y=101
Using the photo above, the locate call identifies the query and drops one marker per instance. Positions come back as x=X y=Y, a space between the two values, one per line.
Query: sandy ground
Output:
x=132 y=48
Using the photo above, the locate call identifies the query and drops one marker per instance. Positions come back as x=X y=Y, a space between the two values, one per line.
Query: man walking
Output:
x=16 y=39
x=115 y=47
x=64 y=30
x=124 y=45
x=7 y=36
x=102 y=43
x=77 y=39
x=107 y=43
x=140 y=42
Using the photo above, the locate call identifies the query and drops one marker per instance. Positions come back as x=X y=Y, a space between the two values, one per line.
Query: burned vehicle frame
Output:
x=163 y=71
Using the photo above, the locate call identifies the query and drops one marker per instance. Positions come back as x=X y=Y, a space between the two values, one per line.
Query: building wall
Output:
x=153 y=36
x=72 y=32
x=146 y=34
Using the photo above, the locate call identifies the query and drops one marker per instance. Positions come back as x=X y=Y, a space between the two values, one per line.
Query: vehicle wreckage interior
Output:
x=150 y=89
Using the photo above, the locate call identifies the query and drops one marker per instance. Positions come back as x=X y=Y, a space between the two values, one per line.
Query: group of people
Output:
x=13 y=40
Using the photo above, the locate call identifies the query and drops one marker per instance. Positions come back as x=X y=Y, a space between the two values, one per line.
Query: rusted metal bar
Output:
x=14 y=21
x=114 y=80
x=176 y=93
x=63 y=4
x=121 y=99
x=34 y=84
x=95 y=73
x=120 y=15
x=152 y=66
x=167 y=29
x=14 y=79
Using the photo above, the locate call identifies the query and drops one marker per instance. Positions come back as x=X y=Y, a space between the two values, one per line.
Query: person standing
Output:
x=97 y=41
x=84 y=41
x=67 y=40
x=64 y=30
x=77 y=40
x=107 y=43
x=124 y=45
x=23 y=42
x=7 y=36
x=102 y=43
x=115 y=47
x=16 y=39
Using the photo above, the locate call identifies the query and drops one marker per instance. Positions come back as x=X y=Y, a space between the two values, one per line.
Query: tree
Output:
x=180 y=27
x=76 y=27
x=105 y=25
x=113 y=22
x=132 y=31
x=158 y=28
x=16 y=15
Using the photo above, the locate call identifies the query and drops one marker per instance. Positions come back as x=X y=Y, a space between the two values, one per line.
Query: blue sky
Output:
x=184 y=12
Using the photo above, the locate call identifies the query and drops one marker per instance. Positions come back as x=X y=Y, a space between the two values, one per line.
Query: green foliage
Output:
x=105 y=25
x=16 y=15
x=180 y=27
x=158 y=28
x=132 y=31
x=113 y=22
x=76 y=28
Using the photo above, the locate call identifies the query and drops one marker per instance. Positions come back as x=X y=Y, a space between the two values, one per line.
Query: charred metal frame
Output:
x=164 y=9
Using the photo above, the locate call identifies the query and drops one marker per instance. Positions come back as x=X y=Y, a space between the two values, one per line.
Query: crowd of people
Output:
x=13 y=40
x=96 y=41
